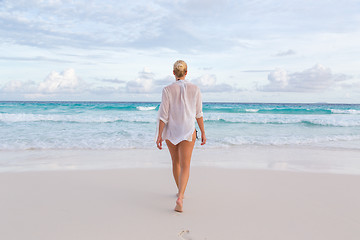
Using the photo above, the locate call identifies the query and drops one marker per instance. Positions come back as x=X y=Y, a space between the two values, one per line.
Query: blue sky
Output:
x=242 y=51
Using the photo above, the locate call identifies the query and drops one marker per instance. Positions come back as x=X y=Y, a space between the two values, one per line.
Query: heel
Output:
x=179 y=205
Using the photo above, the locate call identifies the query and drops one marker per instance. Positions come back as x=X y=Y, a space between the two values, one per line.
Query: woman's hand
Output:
x=159 y=138
x=159 y=142
x=203 y=139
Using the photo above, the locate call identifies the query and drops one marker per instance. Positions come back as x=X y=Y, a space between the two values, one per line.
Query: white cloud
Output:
x=208 y=83
x=16 y=86
x=285 y=53
x=143 y=84
x=32 y=59
x=106 y=91
x=117 y=81
x=55 y=82
x=352 y=86
x=146 y=83
x=313 y=79
x=208 y=23
x=68 y=83
x=79 y=24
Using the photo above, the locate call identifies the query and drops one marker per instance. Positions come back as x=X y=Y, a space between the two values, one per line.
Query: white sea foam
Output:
x=145 y=108
x=251 y=110
x=322 y=120
x=25 y=117
x=112 y=141
x=345 y=111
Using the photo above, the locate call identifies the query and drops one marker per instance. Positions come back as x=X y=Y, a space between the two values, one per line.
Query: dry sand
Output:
x=219 y=204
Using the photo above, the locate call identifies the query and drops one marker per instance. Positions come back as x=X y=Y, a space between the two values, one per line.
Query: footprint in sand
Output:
x=185 y=235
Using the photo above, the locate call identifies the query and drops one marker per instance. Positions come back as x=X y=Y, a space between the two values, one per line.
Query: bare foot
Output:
x=179 y=205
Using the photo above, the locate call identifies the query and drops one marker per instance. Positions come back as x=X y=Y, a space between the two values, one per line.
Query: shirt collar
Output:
x=181 y=80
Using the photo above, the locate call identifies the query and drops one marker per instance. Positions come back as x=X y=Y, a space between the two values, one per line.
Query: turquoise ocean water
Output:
x=127 y=125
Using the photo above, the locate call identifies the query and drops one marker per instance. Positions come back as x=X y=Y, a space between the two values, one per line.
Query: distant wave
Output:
x=293 y=110
x=270 y=110
x=128 y=107
x=251 y=110
x=332 y=123
x=9 y=117
x=310 y=122
x=145 y=108
x=214 y=118
x=345 y=111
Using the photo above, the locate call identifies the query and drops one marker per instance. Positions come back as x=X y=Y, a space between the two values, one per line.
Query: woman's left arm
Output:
x=199 y=117
x=200 y=122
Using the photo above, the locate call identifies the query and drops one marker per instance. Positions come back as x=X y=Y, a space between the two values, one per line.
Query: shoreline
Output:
x=286 y=158
x=219 y=204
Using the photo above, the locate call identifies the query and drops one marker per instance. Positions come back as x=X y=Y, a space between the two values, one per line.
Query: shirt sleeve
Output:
x=164 y=107
x=199 y=112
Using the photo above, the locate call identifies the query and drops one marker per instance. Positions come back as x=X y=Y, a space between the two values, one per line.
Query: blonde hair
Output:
x=180 y=68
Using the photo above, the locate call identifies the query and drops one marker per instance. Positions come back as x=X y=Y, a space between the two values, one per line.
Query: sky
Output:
x=237 y=51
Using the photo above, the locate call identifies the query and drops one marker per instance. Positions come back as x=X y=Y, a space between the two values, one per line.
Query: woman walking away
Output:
x=180 y=105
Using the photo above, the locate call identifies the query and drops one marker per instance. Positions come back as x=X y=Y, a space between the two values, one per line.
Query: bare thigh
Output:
x=183 y=149
x=174 y=151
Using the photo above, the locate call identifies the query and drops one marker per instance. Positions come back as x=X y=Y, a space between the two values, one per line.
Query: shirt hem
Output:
x=183 y=139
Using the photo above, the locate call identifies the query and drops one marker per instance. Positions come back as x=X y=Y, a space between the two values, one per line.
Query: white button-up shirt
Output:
x=180 y=105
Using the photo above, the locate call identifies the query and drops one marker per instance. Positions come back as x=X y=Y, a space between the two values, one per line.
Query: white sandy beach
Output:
x=289 y=158
x=137 y=203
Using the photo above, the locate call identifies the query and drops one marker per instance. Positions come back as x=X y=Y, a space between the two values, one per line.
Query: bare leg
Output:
x=185 y=149
x=174 y=153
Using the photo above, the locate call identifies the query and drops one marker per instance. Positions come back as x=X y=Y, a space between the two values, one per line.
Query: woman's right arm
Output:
x=163 y=117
